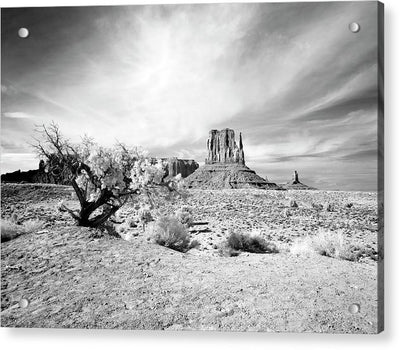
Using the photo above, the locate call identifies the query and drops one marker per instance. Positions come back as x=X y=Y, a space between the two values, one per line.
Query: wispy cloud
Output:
x=292 y=77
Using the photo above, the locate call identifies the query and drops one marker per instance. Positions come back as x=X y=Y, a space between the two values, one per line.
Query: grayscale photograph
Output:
x=193 y=167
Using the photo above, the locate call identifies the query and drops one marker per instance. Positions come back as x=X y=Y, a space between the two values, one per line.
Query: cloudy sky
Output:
x=298 y=84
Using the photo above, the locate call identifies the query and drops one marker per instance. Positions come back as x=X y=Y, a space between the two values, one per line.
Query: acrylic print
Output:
x=213 y=167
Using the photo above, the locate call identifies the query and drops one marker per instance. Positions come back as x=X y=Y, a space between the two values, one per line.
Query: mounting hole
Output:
x=23 y=303
x=354 y=27
x=354 y=308
x=23 y=33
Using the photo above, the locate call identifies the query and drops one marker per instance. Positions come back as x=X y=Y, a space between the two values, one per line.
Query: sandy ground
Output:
x=75 y=278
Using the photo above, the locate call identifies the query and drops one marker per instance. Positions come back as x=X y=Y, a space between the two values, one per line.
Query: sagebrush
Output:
x=11 y=230
x=252 y=242
x=168 y=231
x=327 y=243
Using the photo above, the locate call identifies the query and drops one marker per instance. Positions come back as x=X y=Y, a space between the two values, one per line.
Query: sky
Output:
x=291 y=77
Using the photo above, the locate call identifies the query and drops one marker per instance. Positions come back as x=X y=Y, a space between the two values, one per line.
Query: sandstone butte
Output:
x=295 y=184
x=225 y=165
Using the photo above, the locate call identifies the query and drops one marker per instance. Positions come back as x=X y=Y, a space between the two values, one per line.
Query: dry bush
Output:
x=14 y=218
x=327 y=243
x=169 y=232
x=11 y=230
x=252 y=243
x=329 y=207
x=33 y=225
x=317 y=206
x=194 y=244
x=184 y=216
x=225 y=250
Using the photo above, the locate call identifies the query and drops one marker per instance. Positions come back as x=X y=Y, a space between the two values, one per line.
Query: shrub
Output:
x=194 y=244
x=145 y=216
x=14 y=218
x=10 y=230
x=31 y=226
x=253 y=243
x=326 y=243
x=169 y=232
x=317 y=206
x=225 y=250
x=184 y=216
x=329 y=207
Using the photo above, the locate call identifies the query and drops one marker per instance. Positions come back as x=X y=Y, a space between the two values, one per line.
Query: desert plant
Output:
x=103 y=178
x=253 y=243
x=194 y=244
x=144 y=214
x=14 y=218
x=32 y=225
x=169 y=232
x=317 y=206
x=326 y=243
x=184 y=216
x=329 y=207
x=11 y=230
x=225 y=250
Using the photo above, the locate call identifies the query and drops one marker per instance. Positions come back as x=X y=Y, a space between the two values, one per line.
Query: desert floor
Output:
x=76 y=277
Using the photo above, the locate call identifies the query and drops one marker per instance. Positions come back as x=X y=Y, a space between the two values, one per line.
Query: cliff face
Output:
x=185 y=167
x=222 y=147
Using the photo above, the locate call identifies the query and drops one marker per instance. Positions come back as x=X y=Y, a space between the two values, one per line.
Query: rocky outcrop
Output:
x=222 y=147
x=219 y=176
x=52 y=172
x=295 y=183
x=225 y=165
x=185 y=167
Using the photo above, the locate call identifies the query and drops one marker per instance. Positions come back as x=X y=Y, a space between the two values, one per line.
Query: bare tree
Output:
x=102 y=189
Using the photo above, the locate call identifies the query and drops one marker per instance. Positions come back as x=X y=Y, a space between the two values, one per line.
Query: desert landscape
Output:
x=77 y=277
x=245 y=255
x=199 y=167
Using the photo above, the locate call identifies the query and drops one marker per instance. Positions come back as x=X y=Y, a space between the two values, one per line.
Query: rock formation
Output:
x=222 y=147
x=185 y=167
x=225 y=165
x=295 y=177
x=54 y=172
x=295 y=184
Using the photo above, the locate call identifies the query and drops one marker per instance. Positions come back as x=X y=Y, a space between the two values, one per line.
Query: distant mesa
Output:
x=295 y=184
x=225 y=165
x=176 y=166
x=54 y=172
x=57 y=175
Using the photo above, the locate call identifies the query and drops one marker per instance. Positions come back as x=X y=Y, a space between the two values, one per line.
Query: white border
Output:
x=32 y=339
